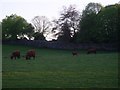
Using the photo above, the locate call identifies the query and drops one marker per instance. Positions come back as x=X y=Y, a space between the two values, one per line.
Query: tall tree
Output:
x=42 y=26
x=13 y=26
x=68 y=23
x=107 y=23
x=88 y=21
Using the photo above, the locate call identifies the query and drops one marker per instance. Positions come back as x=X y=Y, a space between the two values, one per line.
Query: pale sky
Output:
x=28 y=9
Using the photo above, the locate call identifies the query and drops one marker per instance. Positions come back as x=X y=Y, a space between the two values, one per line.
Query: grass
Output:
x=59 y=69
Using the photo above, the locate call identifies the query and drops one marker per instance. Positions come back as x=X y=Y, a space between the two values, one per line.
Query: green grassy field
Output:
x=59 y=69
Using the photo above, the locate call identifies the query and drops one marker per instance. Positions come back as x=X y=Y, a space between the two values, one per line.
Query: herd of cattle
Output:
x=16 y=54
x=31 y=53
x=91 y=50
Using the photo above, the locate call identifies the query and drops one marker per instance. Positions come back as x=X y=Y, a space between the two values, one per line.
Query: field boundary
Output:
x=63 y=45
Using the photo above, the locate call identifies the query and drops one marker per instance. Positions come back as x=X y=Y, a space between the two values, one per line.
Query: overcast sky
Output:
x=28 y=9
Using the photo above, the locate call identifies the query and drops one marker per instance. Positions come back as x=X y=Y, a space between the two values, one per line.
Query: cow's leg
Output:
x=27 y=57
x=11 y=57
x=95 y=52
x=88 y=52
x=18 y=56
x=34 y=57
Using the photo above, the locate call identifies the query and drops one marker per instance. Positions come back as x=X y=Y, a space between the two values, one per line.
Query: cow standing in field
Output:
x=74 y=53
x=91 y=50
x=29 y=54
x=15 y=54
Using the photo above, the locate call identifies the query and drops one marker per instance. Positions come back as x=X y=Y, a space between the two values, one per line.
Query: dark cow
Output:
x=15 y=54
x=91 y=50
x=74 y=53
x=29 y=54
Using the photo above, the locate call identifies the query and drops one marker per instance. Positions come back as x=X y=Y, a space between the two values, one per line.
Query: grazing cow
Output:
x=74 y=53
x=29 y=54
x=15 y=54
x=91 y=50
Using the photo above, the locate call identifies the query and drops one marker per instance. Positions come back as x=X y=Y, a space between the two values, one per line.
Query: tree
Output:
x=88 y=30
x=91 y=8
x=99 y=27
x=107 y=24
x=68 y=23
x=38 y=36
x=28 y=32
x=65 y=33
x=13 y=26
x=42 y=25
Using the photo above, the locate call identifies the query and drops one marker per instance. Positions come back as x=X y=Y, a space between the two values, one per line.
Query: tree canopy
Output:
x=13 y=27
x=107 y=21
x=100 y=26
x=42 y=27
x=68 y=23
x=95 y=24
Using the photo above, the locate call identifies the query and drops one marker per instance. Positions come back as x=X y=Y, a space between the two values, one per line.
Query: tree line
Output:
x=95 y=24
